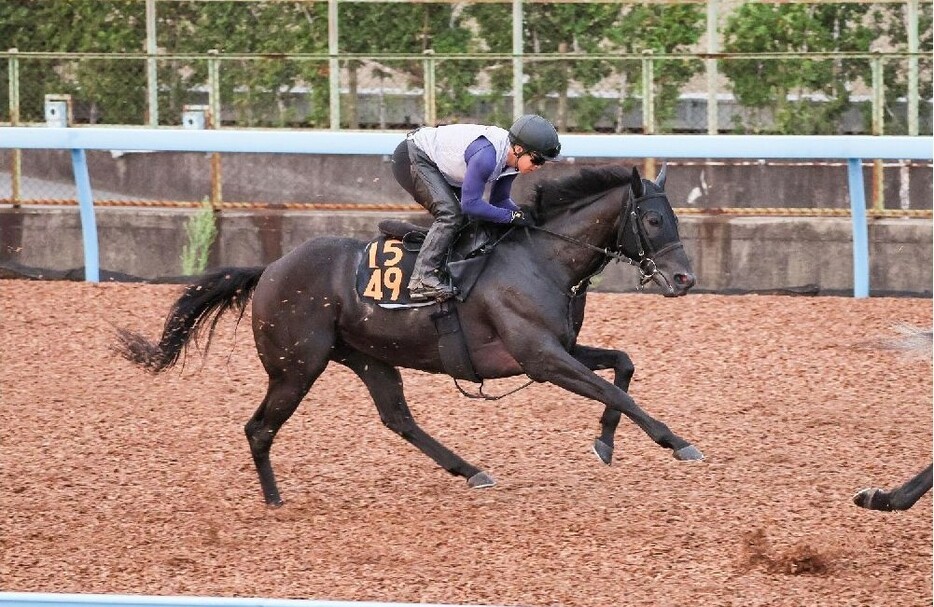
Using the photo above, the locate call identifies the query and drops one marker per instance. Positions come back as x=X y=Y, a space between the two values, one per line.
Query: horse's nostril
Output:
x=685 y=281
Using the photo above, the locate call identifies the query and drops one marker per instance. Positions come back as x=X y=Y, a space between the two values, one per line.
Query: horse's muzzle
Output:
x=684 y=281
x=681 y=284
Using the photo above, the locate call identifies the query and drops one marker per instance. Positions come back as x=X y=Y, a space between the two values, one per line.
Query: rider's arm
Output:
x=481 y=162
x=499 y=195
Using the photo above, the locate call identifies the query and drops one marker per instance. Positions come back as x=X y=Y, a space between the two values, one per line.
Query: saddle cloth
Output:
x=384 y=272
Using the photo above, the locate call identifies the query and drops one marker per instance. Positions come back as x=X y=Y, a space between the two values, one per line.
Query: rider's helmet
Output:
x=535 y=134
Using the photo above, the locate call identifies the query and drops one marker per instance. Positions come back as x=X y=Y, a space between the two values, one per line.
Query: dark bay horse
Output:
x=522 y=316
x=902 y=498
x=919 y=342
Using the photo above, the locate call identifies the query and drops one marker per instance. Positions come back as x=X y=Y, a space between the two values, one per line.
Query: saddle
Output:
x=384 y=272
x=383 y=276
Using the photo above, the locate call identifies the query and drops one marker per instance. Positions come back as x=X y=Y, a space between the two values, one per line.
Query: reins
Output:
x=648 y=270
x=481 y=395
x=603 y=251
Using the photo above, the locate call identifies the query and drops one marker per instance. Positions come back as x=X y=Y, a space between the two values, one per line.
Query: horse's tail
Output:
x=201 y=305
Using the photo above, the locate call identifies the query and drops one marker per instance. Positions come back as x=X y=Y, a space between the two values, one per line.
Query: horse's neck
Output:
x=597 y=225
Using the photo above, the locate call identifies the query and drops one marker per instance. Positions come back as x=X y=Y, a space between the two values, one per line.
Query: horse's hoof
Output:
x=873 y=499
x=863 y=498
x=689 y=454
x=275 y=504
x=603 y=451
x=480 y=480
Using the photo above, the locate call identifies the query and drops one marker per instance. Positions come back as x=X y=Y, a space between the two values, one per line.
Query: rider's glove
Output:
x=521 y=219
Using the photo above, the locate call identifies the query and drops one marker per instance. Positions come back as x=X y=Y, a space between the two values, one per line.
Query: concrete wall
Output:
x=284 y=178
x=730 y=254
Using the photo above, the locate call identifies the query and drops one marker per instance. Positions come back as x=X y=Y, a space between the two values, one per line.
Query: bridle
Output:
x=645 y=263
x=648 y=270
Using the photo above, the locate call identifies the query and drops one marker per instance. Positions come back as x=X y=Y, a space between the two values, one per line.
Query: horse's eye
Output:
x=654 y=219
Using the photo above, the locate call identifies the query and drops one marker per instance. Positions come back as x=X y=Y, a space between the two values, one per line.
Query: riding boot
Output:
x=426 y=282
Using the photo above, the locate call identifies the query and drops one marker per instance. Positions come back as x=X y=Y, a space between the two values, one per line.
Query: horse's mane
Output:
x=554 y=195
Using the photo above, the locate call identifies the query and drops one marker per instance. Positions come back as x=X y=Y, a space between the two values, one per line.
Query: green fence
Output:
x=666 y=67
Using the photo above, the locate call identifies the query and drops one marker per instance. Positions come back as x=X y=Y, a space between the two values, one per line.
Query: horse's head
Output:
x=649 y=236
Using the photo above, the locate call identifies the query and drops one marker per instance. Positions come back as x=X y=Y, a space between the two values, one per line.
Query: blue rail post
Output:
x=860 y=228
x=79 y=164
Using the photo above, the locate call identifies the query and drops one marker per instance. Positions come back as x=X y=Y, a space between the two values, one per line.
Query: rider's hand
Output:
x=521 y=219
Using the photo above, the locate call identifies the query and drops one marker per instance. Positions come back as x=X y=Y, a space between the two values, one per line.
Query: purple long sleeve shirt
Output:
x=481 y=163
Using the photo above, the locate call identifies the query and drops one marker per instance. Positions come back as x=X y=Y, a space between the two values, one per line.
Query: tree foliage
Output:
x=274 y=69
x=805 y=95
x=111 y=91
x=891 y=20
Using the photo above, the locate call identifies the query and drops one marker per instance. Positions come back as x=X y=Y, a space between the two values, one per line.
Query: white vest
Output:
x=445 y=145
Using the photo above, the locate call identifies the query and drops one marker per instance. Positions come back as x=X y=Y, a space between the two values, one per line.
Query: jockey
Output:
x=446 y=169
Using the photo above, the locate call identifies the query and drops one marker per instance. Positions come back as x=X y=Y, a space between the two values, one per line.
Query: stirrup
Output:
x=440 y=293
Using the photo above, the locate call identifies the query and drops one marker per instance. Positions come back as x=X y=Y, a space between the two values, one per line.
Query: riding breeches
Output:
x=421 y=178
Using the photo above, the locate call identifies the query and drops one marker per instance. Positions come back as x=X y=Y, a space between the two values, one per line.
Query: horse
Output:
x=522 y=316
x=901 y=498
x=904 y=497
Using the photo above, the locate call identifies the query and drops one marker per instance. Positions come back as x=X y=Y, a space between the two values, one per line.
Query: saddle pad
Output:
x=383 y=274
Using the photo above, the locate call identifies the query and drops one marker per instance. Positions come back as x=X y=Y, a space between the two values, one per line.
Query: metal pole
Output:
x=214 y=122
x=334 y=67
x=214 y=87
x=878 y=106
x=17 y=169
x=518 y=76
x=648 y=103
x=648 y=93
x=713 y=47
x=79 y=164
x=429 y=95
x=860 y=229
x=913 y=67
x=152 y=79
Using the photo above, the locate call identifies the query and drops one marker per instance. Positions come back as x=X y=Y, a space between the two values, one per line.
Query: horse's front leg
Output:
x=902 y=498
x=551 y=363
x=602 y=358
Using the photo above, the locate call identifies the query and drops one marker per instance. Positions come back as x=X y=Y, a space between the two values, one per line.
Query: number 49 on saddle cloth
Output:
x=383 y=275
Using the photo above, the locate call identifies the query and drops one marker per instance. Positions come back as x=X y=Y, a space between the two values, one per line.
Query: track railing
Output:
x=853 y=149
x=41 y=599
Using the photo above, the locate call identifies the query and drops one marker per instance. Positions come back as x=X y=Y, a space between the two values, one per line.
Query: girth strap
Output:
x=451 y=344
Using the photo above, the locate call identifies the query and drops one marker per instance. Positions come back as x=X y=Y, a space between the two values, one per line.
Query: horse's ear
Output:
x=662 y=175
x=635 y=184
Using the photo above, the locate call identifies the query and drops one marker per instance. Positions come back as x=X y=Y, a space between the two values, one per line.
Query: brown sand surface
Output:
x=116 y=481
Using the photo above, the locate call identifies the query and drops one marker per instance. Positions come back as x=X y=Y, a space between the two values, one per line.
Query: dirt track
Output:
x=115 y=481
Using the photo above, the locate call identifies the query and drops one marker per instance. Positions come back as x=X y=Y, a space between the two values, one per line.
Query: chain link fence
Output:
x=592 y=67
x=656 y=94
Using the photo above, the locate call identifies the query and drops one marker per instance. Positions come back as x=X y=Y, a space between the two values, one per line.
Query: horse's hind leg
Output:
x=600 y=358
x=902 y=498
x=384 y=383
x=283 y=395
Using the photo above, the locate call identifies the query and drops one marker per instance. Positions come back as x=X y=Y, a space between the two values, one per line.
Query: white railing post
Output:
x=152 y=79
x=518 y=75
